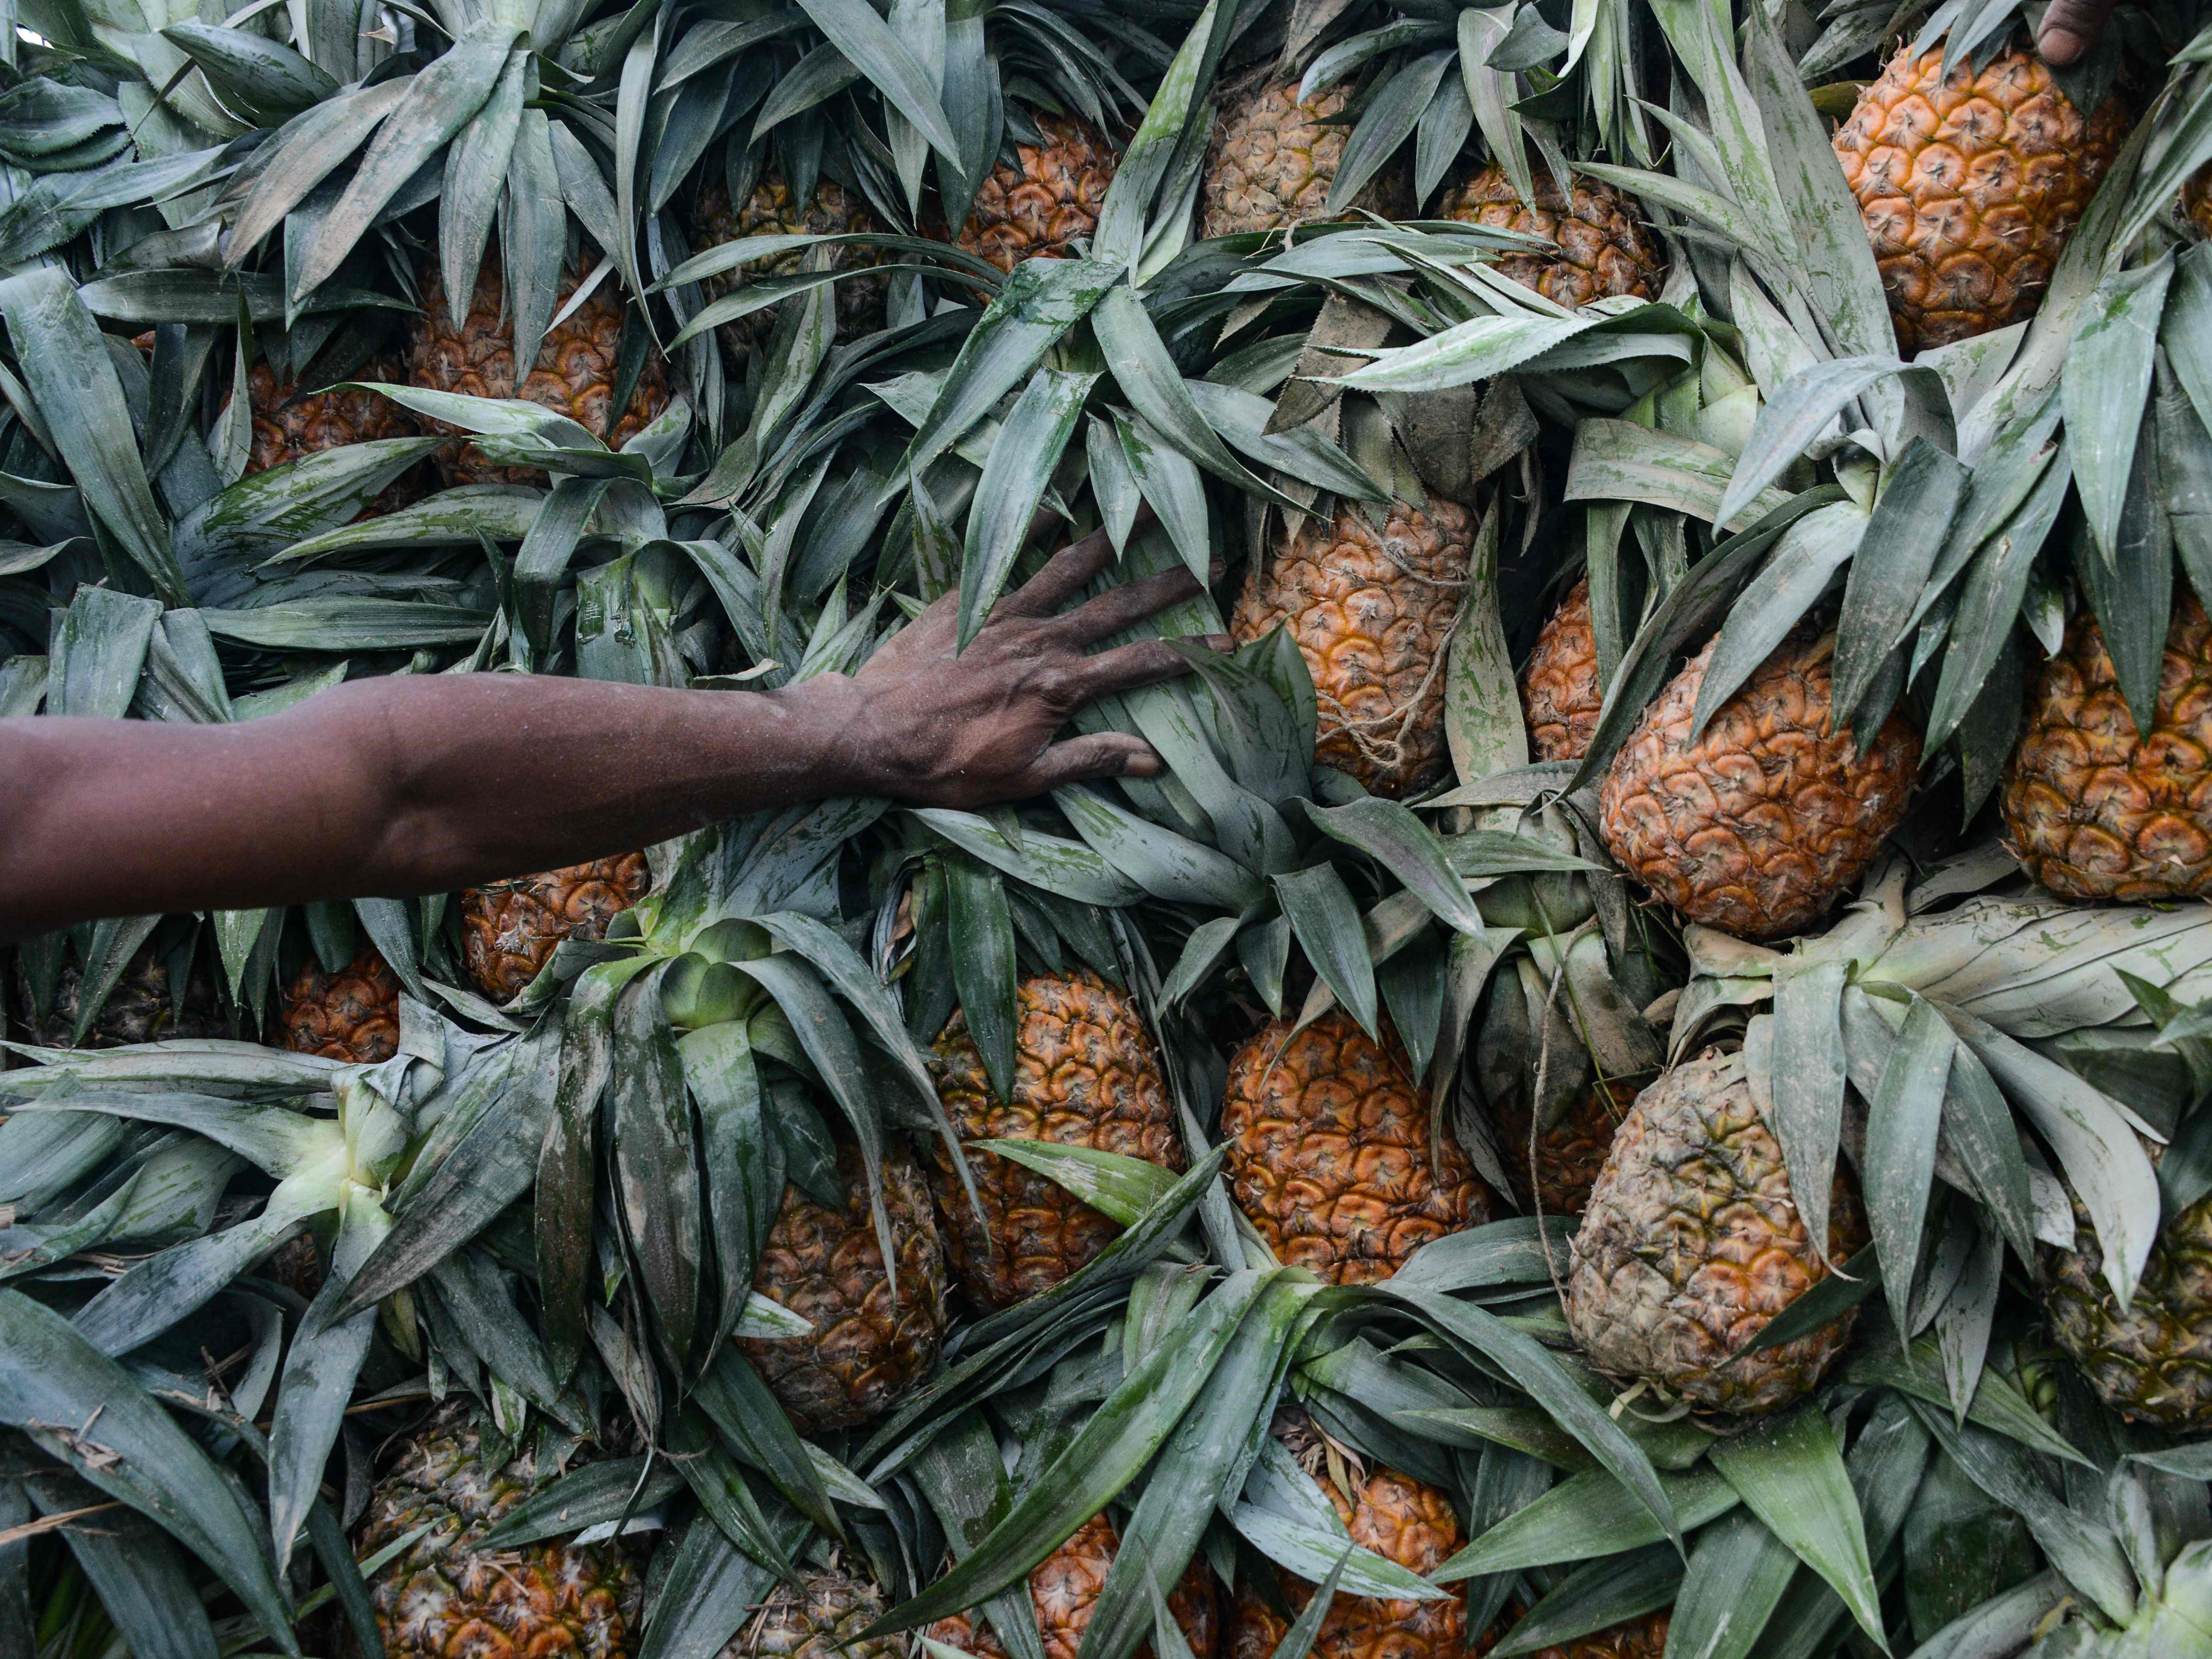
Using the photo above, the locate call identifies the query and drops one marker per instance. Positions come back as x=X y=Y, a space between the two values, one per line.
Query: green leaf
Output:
x=1789 y=1472
x=1891 y=567
x=1308 y=1551
x=307 y=150
x=1164 y=864
x=1113 y=1448
x=475 y=169
x=1477 y=350
x=1737 y=1573
x=1169 y=481
x=857 y=30
x=1058 y=866
x=731 y=1393
x=1041 y=302
x=1806 y=1104
x=983 y=971
x=440 y=101
x=1015 y=478
x=1584 y=1517
x=1161 y=139
x=1119 y=1187
x=2104 y=387
x=1903 y=1122
x=1389 y=832
x=1610 y=1592
x=65 y=365
x=1801 y=411
x=1327 y=921
x=82 y=1408
x=1796 y=575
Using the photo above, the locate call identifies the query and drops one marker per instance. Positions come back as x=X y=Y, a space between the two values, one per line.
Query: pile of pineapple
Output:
x=1635 y=1086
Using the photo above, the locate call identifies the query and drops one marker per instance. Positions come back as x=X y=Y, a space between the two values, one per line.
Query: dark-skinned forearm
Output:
x=392 y=787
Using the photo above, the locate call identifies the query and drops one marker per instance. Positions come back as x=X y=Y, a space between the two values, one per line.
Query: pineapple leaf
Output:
x=980 y=930
x=2104 y=390
x=1586 y=1517
x=1067 y=868
x=731 y=1393
x=1320 y=911
x=856 y=29
x=1169 y=482
x=1016 y=476
x=1890 y=570
x=1789 y=1472
x=713 y=1590
x=1795 y=578
x=1166 y=138
x=1813 y=397
x=1623 y=1587
x=1307 y=1551
x=141 y=1580
x=307 y=150
x=1166 y=864
x=1737 y=1574
x=1903 y=1119
x=84 y=1408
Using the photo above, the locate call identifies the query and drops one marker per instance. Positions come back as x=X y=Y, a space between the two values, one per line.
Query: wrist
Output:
x=827 y=723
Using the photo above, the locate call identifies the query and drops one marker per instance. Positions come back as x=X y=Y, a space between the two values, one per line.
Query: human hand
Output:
x=927 y=723
x=2069 y=28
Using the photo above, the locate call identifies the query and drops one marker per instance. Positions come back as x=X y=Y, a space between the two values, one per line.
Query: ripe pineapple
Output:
x=1756 y=827
x=1329 y=1152
x=1691 y=1243
x=142 y=1008
x=2152 y=1363
x=1050 y=194
x=866 y=1348
x=1970 y=186
x=1273 y=158
x=352 y=1015
x=1089 y=1076
x=770 y=211
x=1370 y=614
x=1065 y=1588
x=575 y=373
x=440 y=1599
x=1560 y=693
x=2093 y=809
x=820 y=1618
x=1605 y=251
x=509 y=929
x=2196 y=200
x=286 y=426
x=1394 y=1514
x=1569 y=1153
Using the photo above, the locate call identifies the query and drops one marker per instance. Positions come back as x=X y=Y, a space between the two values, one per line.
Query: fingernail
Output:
x=1146 y=765
x=1224 y=644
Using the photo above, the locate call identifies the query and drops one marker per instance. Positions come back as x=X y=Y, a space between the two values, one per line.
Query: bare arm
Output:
x=410 y=785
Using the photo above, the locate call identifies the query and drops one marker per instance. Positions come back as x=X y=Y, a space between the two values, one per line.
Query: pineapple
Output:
x=1370 y=612
x=1560 y=693
x=438 y=1599
x=1273 y=158
x=2153 y=1363
x=1330 y=1152
x=1970 y=186
x=2196 y=200
x=1755 y=827
x=867 y=1347
x=1605 y=251
x=1089 y=1076
x=819 y=1617
x=770 y=211
x=1691 y=1243
x=1568 y=1153
x=352 y=1015
x=1064 y=1590
x=509 y=928
x=575 y=373
x=1048 y=197
x=288 y=426
x=1403 y=1519
x=142 y=1008
x=2094 y=809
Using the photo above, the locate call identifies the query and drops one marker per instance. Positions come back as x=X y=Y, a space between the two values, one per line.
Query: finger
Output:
x=2069 y=28
x=1068 y=572
x=1146 y=662
x=1125 y=606
x=1100 y=755
x=1065 y=575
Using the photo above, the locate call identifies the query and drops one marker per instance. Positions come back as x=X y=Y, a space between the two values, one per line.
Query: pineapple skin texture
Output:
x=287 y=428
x=2153 y=1363
x=1569 y=1153
x=1604 y=249
x=1272 y=159
x=1560 y=694
x=1398 y=1517
x=1065 y=1588
x=817 y=1620
x=1050 y=196
x=1371 y=615
x=352 y=1015
x=770 y=211
x=1691 y=1242
x=509 y=929
x=1329 y=1152
x=575 y=373
x=440 y=1600
x=1086 y=1075
x=1756 y=827
x=2092 y=809
x=1970 y=186
x=866 y=1349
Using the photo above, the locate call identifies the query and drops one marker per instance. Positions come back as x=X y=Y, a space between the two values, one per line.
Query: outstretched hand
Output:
x=2069 y=28
x=934 y=725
